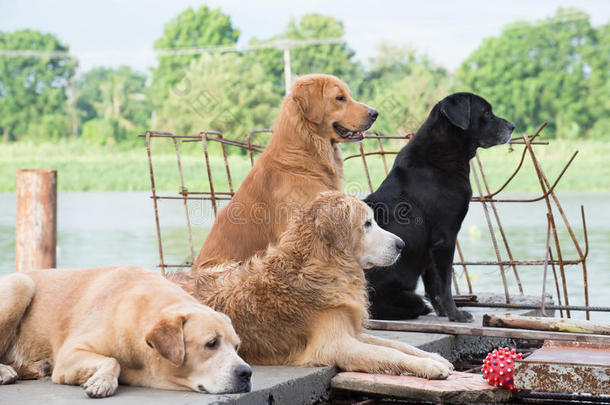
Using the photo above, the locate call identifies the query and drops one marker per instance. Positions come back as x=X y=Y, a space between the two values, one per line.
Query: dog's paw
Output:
x=442 y=360
x=8 y=375
x=461 y=316
x=100 y=386
x=432 y=370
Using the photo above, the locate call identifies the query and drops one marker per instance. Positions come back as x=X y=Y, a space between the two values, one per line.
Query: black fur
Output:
x=424 y=200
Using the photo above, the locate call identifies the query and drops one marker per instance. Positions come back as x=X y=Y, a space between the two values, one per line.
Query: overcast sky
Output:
x=115 y=32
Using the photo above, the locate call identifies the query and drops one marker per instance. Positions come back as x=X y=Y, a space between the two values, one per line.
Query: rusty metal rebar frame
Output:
x=547 y=249
x=485 y=197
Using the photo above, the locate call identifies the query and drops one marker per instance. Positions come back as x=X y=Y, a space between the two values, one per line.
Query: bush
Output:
x=600 y=130
x=103 y=131
x=49 y=127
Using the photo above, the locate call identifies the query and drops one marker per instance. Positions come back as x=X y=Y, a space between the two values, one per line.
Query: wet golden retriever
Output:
x=301 y=160
x=304 y=301
x=96 y=327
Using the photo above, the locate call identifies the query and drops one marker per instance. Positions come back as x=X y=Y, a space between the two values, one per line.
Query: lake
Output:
x=108 y=228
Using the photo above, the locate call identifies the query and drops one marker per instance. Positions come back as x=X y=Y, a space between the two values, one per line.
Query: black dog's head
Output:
x=473 y=115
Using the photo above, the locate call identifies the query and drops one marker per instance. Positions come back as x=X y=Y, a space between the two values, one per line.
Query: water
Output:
x=107 y=228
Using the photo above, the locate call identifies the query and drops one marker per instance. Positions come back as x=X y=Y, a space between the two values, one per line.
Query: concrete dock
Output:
x=270 y=385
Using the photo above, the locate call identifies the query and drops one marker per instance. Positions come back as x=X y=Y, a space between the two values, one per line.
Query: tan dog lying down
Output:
x=304 y=301
x=97 y=327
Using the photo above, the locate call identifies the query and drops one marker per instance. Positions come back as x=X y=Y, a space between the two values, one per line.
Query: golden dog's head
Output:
x=197 y=350
x=326 y=102
x=348 y=224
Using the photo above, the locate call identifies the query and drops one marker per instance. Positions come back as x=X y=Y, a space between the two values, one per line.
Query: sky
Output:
x=116 y=32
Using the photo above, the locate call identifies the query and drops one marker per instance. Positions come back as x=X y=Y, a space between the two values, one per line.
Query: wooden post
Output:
x=36 y=227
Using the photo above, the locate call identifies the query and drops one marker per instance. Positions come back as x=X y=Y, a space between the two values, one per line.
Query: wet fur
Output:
x=304 y=302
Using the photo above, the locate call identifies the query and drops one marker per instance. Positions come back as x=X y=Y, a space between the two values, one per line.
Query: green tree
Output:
x=191 y=28
x=555 y=70
x=119 y=94
x=334 y=59
x=33 y=88
x=219 y=92
x=113 y=105
x=403 y=86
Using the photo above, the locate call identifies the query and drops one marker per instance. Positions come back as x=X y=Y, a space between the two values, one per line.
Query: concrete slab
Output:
x=271 y=384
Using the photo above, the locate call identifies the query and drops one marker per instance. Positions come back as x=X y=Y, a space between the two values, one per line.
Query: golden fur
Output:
x=304 y=301
x=301 y=160
x=96 y=327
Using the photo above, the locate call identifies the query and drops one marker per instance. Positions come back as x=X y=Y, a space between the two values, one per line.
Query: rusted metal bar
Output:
x=493 y=236
x=203 y=197
x=251 y=134
x=519 y=262
x=455 y=282
x=557 y=289
x=584 y=259
x=36 y=222
x=546 y=264
x=540 y=175
x=154 y=198
x=369 y=154
x=499 y=223
x=383 y=159
x=543 y=196
x=532 y=306
x=204 y=141
x=227 y=170
x=184 y=193
x=366 y=168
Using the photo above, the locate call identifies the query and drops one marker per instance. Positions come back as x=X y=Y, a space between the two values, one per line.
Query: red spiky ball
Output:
x=498 y=368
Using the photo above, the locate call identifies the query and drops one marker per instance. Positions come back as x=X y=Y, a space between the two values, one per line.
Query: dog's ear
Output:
x=167 y=338
x=331 y=221
x=457 y=110
x=309 y=96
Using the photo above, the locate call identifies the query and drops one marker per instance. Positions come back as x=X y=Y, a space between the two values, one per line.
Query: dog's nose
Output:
x=511 y=126
x=243 y=372
x=373 y=113
x=400 y=244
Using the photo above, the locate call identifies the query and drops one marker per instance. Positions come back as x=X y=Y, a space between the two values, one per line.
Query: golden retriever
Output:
x=304 y=301
x=97 y=327
x=301 y=160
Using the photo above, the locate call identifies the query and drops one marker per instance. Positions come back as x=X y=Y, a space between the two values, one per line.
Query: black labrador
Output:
x=424 y=200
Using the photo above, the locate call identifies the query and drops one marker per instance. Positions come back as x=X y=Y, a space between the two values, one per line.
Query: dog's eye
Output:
x=487 y=113
x=368 y=224
x=341 y=98
x=212 y=344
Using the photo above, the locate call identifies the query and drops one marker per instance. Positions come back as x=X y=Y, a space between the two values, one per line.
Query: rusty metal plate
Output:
x=577 y=367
